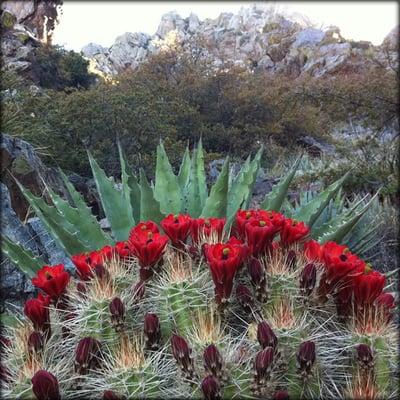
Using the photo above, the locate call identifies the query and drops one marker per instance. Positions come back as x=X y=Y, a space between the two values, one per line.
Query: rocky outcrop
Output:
x=25 y=26
x=256 y=38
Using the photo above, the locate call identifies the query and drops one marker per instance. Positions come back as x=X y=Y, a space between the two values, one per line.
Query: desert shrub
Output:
x=53 y=67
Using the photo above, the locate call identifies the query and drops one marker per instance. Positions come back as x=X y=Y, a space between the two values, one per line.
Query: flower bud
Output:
x=365 y=357
x=256 y=272
x=291 y=259
x=35 y=342
x=263 y=365
x=138 y=291
x=181 y=352
x=306 y=357
x=81 y=289
x=110 y=395
x=245 y=297
x=101 y=272
x=210 y=388
x=117 y=311
x=266 y=336
x=212 y=360
x=45 y=386
x=308 y=278
x=86 y=354
x=281 y=395
x=152 y=330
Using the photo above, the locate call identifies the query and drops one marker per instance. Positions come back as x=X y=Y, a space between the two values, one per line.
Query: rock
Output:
x=15 y=286
x=20 y=160
x=7 y=20
x=309 y=37
x=255 y=37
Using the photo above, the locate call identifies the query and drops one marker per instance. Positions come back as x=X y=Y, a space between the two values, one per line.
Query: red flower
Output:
x=106 y=253
x=223 y=260
x=147 y=247
x=83 y=266
x=340 y=263
x=203 y=228
x=122 y=249
x=385 y=300
x=37 y=310
x=259 y=235
x=293 y=231
x=143 y=228
x=313 y=250
x=368 y=286
x=52 y=280
x=177 y=228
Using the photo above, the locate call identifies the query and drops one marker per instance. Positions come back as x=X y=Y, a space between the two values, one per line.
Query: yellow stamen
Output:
x=144 y=227
x=368 y=269
x=262 y=223
x=248 y=214
x=226 y=251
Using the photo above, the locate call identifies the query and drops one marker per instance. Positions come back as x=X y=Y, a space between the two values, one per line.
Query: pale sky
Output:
x=101 y=22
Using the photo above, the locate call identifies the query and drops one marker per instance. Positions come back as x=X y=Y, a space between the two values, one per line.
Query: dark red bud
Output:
x=117 y=311
x=281 y=395
x=101 y=272
x=210 y=388
x=152 y=330
x=181 y=352
x=365 y=357
x=110 y=395
x=306 y=356
x=263 y=365
x=4 y=342
x=291 y=259
x=245 y=297
x=82 y=289
x=138 y=291
x=212 y=360
x=308 y=278
x=45 y=386
x=266 y=336
x=86 y=355
x=257 y=272
x=35 y=342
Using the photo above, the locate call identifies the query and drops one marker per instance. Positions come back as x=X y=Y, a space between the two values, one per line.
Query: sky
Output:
x=101 y=22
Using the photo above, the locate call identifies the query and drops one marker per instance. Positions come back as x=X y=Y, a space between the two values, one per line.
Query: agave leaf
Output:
x=255 y=166
x=76 y=197
x=149 y=206
x=65 y=234
x=82 y=220
x=24 y=259
x=216 y=204
x=130 y=185
x=310 y=212
x=342 y=226
x=191 y=196
x=166 y=189
x=184 y=170
x=116 y=208
x=201 y=175
x=275 y=199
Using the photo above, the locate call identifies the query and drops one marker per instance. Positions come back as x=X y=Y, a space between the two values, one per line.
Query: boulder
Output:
x=316 y=147
x=309 y=37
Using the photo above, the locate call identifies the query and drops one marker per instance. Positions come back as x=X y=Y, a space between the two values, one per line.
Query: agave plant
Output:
x=202 y=297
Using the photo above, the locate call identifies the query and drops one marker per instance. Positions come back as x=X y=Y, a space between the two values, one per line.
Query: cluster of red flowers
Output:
x=352 y=282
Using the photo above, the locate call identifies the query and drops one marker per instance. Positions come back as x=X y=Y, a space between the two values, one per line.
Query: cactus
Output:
x=227 y=302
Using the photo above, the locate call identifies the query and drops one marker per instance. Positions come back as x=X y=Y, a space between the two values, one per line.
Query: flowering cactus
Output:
x=196 y=295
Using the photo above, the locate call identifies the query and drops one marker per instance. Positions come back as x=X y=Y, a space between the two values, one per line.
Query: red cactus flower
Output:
x=45 y=386
x=106 y=253
x=368 y=286
x=122 y=249
x=223 y=260
x=206 y=227
x=313 y=250
x=293 y=231
x=147 y=247
x=52 y=280
x=37 y=310
x=259 y=235
x=177 y=228
x=83 y=265
x=242 y=218
x=143 y=228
